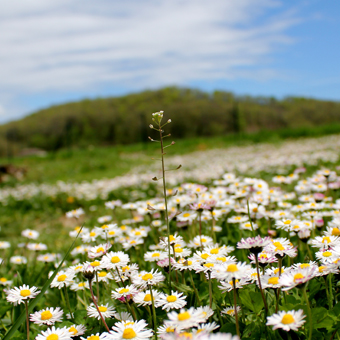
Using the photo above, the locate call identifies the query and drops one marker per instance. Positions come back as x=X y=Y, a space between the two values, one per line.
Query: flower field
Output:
x=237 y=243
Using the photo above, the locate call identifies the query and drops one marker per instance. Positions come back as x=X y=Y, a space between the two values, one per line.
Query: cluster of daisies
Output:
x=140 y=282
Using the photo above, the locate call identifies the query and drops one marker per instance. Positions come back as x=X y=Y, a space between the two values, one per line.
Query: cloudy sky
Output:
x=54 y=51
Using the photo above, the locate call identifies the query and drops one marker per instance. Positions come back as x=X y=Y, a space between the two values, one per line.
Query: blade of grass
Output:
x=35 y=301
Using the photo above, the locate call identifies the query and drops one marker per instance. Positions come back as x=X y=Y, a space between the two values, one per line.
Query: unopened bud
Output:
x=169 y=120
x=172 y=143
x=151 y=126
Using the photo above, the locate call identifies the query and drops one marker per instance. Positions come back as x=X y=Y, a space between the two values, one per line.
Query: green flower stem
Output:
x=327 y=292
x=27 y=321
x=235 y=307
x=194 y=287
x=95 y=303
x=309 y=313
x=210 y=291
x=240 y=303
x=153 y=312
x=260 y=285
x=68 y=303
x=166 y=205
x=97 y=285
x=250 y=220
x=330 y=290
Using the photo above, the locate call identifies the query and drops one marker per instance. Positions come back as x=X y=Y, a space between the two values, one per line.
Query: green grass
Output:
x=76 y=165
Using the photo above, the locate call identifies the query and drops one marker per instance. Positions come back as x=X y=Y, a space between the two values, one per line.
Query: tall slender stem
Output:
x=27 y=321
x=210 y=290
x=309 y=313
x=153 y=312
x=166 y=205
x=68 y=302
x=95 y=303
x=195 y=290
x=235 y=306
x=260 y=285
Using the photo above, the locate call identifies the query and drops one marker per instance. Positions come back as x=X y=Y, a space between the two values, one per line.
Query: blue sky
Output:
x=54 y=51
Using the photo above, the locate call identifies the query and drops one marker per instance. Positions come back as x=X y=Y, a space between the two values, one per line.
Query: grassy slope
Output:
x=98 y=162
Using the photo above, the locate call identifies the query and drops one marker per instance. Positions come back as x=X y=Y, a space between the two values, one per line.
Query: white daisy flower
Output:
x=5 y=282
x=106 y=311
x=48 y=316
x=291 y=320
x=63 y=278
x=152 y=256
x=98 y=251
x=296 y=277
x=174 y=301
x=54 y=333
x=113 y=260
x=19 y=295
x=18 y=260
x=80 y=286
x=75 y=213
x=144 y=278
x=130 y=331
x=206 y=312
x=123 y=316
x=77 y=330
x=96 y=336
x=124 y=292
x=31 y=234
x=4 y=245
x=185 y=318
x=231 y=310
x=144 y=298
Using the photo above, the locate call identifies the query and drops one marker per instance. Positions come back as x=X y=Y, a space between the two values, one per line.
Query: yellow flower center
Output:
x=298 y=276
x=147 y=298
x=100 y=249
x=61 y=278
x=186 y=215
x=214 y=251
x=183 y=316
x=204 y=256
x=171 y=298
x=326 y=239
x=25 y=292
x=125 y=268
x=278 y=246
x=115 y=259
x=93 y=337
x=335 y=232
x=273 y=280
x=102 y=274
x=223 y=259
x=3 y=279
x=208 y=265
x=138 y=233
x=123 y=291
x=95 y=263
x=129 y=333
x=287 y=319
x=304 y=265
x=178 y=250
x=78 y=267
x=322 y=268
x=263 y=256
x=92 y=234
x=287 y=222
x=156 y=255
x=46 y=315
x=147 y=277
x=52 y=337
x=232 y=268
x=81 y=284
x=186 y=335
x=172 y=238
x=73 y=330
x=326 y=254
x=102 y=308
x=170 y=330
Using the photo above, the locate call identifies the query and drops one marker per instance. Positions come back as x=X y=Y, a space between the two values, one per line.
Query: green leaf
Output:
x=35 y=301
x=321 y=319
x=252 y=300
x=183 y=288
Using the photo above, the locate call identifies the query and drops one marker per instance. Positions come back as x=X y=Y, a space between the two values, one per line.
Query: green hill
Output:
x=125 y=120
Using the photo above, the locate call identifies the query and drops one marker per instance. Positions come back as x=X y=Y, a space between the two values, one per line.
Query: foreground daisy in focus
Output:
x=291 y=320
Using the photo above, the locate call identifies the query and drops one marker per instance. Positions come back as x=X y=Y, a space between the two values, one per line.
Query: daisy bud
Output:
x=151 y=126
x=88 y=272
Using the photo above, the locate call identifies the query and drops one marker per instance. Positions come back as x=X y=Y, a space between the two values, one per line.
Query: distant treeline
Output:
x=123 y=120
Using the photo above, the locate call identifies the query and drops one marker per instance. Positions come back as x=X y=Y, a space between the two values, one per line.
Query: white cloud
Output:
x=63 y=45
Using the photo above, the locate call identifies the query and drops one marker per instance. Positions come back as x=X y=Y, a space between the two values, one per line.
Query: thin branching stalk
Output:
x=235 y=307
x=309 y=312
x=260 y=285
x=153 y=312
x=95 y=303
x=27 y=321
